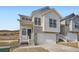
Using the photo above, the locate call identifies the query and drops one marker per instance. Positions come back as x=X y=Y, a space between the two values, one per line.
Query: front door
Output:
x=29 y=33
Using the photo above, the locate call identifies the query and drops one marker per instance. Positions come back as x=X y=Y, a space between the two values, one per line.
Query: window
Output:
x=37 y=21
x=23 y=31
x=23 y=18
x=26 y=18
x=76 y=25
x=52 y=23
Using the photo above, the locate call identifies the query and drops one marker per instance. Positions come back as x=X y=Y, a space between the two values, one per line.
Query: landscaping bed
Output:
x=10 y=43
x=4 y=49
x=72 y=44
x=30 y=49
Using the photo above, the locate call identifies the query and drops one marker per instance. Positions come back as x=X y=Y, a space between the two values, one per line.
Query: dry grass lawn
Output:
x=72 y=44
x=9 y=35
x=30 y=49
x=11 y=43
x=9 y=38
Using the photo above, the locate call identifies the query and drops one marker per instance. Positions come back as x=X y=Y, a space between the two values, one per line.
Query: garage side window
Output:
x=23 y=31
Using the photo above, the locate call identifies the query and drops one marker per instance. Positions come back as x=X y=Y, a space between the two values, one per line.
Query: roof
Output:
x=42 y=9
x=68 y=17
x=24 y=16
x=28 y=17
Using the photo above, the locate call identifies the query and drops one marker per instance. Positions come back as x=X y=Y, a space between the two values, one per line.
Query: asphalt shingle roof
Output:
x=68 y=17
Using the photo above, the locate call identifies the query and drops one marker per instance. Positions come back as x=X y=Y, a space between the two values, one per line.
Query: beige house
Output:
x=70 y=27
x=41 y=27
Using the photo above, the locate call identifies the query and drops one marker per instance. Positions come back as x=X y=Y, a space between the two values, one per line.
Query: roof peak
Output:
x=23 y=15
x=68 y=17
x=42 y=9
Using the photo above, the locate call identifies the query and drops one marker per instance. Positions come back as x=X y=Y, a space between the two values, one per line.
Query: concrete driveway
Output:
x=59 y=48
x=51 y=47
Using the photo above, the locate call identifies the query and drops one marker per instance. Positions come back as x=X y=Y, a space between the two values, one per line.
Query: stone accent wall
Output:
x=37 y=29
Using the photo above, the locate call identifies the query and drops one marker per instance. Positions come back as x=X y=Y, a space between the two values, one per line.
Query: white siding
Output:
x=46 y=27
x=63 y=22
x=71 y=37
x=44 y=38
x=72 y=25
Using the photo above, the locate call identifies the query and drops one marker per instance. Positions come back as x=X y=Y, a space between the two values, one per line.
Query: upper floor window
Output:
x=52 y=23
x=37 y=21
x=23 y=18
x=76 y=25
x=23 y=31
x=26 y=18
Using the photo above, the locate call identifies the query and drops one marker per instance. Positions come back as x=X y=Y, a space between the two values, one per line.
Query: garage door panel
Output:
x=44 y=38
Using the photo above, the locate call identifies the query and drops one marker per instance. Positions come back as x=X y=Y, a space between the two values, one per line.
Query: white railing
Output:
x=31 y=41
x=61 y=36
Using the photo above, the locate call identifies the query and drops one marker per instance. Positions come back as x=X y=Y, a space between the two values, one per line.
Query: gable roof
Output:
x=68 y=17
x=28 y=17
x=24 y=16
x=44 y=9
x=41 y=10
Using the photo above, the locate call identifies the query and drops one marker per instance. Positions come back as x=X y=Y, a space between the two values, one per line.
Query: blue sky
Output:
x=9 y=14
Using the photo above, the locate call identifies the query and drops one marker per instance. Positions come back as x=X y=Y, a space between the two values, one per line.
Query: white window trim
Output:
x=37 y=21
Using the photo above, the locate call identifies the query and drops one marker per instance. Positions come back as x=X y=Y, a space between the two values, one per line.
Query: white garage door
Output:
x=44 y=38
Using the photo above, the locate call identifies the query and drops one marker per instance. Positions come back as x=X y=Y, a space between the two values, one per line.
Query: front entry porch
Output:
x=26 y=36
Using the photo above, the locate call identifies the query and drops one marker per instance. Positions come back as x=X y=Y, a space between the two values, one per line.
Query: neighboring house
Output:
x=41 y=27
x=70 y=27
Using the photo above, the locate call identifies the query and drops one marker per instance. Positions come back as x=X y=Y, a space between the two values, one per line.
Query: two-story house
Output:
x=70 y=27
x=41 y=27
